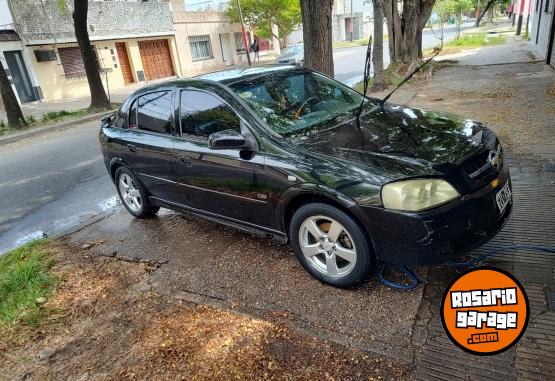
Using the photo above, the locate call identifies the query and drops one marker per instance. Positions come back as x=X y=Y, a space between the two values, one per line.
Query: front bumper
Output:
x=440 y=234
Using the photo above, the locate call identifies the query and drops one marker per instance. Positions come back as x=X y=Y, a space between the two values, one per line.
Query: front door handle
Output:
x=184 y=160
x=132 y=148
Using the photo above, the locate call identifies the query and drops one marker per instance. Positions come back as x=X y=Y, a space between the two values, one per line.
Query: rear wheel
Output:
x=330 y=245
x=133 y=195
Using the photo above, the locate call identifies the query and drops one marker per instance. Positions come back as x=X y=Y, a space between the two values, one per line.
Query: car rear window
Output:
x=155 y=111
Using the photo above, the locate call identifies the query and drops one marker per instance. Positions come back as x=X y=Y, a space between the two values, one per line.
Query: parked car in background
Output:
x=287 y=152
x=293 y=54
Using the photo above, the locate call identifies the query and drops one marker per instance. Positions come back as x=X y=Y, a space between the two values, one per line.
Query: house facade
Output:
x=352 y=20
x=16 y=60
x=134 y=42
x=346 y=24
x=207 y=39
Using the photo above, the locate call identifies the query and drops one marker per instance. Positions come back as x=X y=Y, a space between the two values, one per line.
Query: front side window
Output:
x=296 y=101
x=201 y=48
x=203 y=114
x=154 y=112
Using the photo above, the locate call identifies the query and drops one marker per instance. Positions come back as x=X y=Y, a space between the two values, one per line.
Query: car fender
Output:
x=321 y=192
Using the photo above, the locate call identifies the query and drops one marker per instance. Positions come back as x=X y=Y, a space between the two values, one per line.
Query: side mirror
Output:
x=107 y=119
x=227 y=139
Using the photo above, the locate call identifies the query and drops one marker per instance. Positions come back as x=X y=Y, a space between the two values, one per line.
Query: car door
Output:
x=147 y=142
x=225 y=182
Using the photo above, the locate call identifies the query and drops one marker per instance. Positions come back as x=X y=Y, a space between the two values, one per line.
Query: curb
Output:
x=55 y=127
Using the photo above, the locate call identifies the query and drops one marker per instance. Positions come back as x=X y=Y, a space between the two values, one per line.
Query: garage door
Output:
x=157 y=60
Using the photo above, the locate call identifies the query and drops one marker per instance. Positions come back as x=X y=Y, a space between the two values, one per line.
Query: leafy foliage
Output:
x=447 y=9
x=261 y=14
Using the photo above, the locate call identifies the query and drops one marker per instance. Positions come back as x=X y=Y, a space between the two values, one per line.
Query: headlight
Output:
x=417 y=194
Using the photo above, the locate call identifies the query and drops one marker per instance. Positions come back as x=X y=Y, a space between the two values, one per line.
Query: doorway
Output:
x=224 y=45
x=20 y=76
x=124 y=63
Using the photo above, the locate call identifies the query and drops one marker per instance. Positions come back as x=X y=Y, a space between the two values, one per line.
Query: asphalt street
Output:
x=57 y=182
x=51 y=184
x=349 y=62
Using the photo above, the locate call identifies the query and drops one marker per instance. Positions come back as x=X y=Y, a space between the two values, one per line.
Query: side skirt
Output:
x=237 y=224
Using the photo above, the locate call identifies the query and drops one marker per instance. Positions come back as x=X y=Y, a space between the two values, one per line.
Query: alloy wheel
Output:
x=130 y=193
x=327 y=246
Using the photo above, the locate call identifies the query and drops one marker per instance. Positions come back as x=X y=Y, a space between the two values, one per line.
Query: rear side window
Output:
x=154 y=112
x=203 y=114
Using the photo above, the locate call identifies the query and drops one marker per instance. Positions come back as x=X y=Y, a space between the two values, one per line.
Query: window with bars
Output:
x=72 y=62
x=201 y=48
x=239 y=45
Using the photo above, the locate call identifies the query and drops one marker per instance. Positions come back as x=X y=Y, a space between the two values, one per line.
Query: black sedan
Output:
x=287 y=152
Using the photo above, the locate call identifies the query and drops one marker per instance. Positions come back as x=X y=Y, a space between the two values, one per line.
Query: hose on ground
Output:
x=414 y=280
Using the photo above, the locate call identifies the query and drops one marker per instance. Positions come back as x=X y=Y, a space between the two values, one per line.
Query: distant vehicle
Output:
x=287 y=152
x=293 y=54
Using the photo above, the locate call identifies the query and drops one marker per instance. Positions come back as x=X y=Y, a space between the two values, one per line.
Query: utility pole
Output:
x=478 y=14
x=352 y=21
x=243 y=32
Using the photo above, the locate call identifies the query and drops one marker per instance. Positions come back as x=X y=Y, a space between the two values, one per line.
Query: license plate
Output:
x=503 y=197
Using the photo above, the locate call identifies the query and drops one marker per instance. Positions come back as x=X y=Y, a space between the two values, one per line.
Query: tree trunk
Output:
x=317 y=35
x=377 y=58
x=15 y=116
x=99 y=100
x=490 y=3
x=405 y=29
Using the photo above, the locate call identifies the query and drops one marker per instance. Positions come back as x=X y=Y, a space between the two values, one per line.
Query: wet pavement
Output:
x=51 y=184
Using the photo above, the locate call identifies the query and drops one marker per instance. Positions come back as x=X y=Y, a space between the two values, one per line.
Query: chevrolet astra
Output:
x=286 y=152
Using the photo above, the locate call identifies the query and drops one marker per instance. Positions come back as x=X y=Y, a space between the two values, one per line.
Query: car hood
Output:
x=398 y=141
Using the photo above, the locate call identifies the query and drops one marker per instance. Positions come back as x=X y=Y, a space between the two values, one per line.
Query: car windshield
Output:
x=295 y=49
x=297 y=101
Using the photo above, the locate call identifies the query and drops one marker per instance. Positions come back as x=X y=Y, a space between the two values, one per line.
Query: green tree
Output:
x=317 y=35
x=13 y=110
x=79 y=14
x=460 y=7
x=447 y=9
x=99 y=100
x=261 y=14
x=405 y=21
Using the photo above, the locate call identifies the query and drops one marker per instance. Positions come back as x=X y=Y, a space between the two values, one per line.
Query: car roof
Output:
x=244 y=72
x=224 y=77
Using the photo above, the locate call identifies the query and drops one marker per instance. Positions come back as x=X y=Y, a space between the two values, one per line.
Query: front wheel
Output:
x=331 y=246
x=133 y=195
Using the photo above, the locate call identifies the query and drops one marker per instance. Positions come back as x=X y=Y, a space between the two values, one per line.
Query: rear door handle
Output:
x=132 y=148
x=184 y=160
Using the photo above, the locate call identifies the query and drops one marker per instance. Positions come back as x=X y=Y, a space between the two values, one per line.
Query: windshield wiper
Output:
x=436 y=49
x=365 y=78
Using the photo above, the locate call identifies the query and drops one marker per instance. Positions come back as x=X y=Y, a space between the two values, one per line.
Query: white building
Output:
x=541 y=29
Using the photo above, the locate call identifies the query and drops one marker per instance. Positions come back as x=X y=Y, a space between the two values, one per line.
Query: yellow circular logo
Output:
x=485 y=311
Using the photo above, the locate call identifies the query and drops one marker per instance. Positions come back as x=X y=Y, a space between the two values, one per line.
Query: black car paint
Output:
x=339 y=163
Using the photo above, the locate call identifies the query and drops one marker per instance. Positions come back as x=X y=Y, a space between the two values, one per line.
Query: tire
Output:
x=133 y=195
x=351 y=251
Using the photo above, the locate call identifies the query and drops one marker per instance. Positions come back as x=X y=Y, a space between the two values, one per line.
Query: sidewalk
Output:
x=505 y=87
